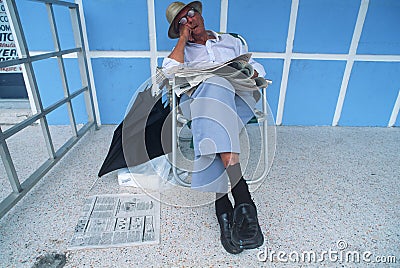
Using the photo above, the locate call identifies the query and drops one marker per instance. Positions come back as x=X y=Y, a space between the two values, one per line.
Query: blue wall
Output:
x=325 y=26
x=373 y=87
x=266 y=29
x=313 y=85
x=313 y=89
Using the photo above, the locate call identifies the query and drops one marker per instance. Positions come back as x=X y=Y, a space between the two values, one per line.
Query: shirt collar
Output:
x=210 y=32
x=215 y=34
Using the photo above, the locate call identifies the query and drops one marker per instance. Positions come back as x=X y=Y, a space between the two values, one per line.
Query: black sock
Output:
x=222 y=204
x=241 y=193
x=240 y=189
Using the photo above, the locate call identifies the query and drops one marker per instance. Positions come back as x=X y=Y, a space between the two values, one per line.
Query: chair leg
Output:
x=265 y=141
x=177 y=175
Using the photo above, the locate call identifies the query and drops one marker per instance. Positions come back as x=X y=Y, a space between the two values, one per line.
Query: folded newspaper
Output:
x=237 y=71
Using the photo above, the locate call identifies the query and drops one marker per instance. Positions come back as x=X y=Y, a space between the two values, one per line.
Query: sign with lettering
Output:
x=8 y=50
x=12 y=85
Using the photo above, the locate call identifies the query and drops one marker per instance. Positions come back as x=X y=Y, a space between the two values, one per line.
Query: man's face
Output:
x=195 y=23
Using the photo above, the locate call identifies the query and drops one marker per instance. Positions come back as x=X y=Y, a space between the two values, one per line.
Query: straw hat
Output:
x=173 y=10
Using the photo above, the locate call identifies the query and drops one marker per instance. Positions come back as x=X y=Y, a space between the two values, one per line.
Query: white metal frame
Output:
x=26 y=60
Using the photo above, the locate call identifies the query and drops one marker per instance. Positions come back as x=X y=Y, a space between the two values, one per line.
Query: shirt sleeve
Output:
x=169 y=63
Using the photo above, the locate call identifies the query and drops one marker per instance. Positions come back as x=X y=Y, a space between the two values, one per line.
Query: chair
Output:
x=179 y=122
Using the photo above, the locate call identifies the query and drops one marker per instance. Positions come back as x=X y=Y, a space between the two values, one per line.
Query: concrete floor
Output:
x=330 y=189
x=13 y=111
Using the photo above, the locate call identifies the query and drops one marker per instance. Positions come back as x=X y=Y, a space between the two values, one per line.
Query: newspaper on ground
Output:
x=117 y=220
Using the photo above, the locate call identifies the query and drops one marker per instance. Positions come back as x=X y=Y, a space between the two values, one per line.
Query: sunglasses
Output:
x=189 y=14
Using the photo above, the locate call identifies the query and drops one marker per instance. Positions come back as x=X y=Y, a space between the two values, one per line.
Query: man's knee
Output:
x=229 y=159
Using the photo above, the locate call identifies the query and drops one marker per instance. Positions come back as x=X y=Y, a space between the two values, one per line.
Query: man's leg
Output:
x=224 y=213
x=239 y=187
x=216 y=125
x=246 y=232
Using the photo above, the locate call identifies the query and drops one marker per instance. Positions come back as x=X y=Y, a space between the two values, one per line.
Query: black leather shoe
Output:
x=246 y=232
x=225 y=224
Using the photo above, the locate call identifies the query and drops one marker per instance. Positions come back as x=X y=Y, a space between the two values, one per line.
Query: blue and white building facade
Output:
x=332 y=62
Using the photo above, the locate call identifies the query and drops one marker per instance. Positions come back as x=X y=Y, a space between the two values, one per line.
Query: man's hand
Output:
x=186 y=33
x=178 y=52
x=255 y=74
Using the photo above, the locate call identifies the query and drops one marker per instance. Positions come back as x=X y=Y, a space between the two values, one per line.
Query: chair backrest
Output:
x=241 y=38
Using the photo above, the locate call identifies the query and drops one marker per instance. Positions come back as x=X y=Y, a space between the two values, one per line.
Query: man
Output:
x=218 y=113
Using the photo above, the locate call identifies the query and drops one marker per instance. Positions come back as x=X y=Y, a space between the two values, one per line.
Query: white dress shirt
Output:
x=219 y=50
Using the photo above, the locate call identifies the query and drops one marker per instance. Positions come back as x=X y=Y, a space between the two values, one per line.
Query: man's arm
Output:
x=255 y=74
x=178 y=53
